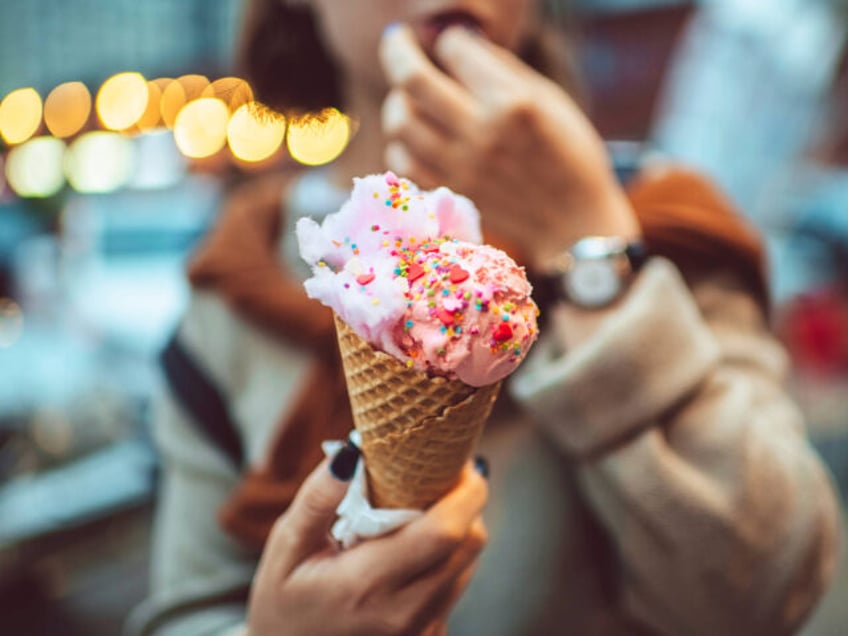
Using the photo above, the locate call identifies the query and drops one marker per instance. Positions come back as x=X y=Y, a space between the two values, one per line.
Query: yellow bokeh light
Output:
x=162 y=82
x=67 y=108
x=314 y=140
x=122 y=100
x=179 y=92
x=201 y=127
x=11 y=322
x=193 y=85
x=255 y=132
x=152 y=114
x=233 y=91
x=34 y=168
x=99 y=161
x=173 y=99
x=20 y=115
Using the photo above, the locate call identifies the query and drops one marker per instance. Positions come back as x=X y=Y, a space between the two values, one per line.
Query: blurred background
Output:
x=121 y=125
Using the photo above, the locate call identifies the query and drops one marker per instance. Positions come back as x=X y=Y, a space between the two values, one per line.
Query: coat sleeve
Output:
x=693 y=457
x=199 y=576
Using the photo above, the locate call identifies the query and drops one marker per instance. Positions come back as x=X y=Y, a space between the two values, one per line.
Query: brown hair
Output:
x=280 y=41
x=281 y=54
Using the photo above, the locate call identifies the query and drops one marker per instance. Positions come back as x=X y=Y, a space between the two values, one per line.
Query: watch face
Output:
x=593 y=283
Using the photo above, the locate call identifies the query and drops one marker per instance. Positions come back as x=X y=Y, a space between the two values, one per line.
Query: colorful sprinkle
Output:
x=503 y=332
x=414 y=272
x=457 y=274
x=364 y=279
x=445 y=316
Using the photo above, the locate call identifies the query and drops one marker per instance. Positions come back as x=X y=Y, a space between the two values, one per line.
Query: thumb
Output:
x=304 y=527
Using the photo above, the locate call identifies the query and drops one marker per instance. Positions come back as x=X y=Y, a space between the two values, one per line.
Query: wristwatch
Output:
x=596 y=270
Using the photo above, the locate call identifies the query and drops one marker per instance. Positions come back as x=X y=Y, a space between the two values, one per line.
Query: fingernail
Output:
x=481 y=465
x=344 y=463
x=390 y=27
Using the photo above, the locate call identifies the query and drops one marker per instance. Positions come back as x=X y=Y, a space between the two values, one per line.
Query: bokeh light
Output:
x=180 y=92
x=162 y=82
x=193 y=86
x=99 y=161
x=158 y=161
x=67 y=108
x=318 y=139
x=152 y=115
x=233 y=91
x=173 y=99
x=11 y=322
x=122 y=100
x=20 y=115
x=200 y=129
x=34 y=168
x=255 y=132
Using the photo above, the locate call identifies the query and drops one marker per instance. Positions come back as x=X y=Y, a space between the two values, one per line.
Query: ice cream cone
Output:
x=417 y=431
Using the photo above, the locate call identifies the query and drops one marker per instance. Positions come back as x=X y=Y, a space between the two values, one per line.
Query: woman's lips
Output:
x=429 y=29
x=451 y=18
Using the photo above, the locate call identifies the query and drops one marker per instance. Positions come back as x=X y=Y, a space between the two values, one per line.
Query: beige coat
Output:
x=660 y=481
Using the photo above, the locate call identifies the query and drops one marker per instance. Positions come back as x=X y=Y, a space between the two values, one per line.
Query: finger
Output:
x=431 y=538
x=303 y=529
x=402 y=122
x=433 y=595
x=407 y=67
x=436 y=533
x=477 y=64
x=443 y=605
x=464 y=555
x=436 y=628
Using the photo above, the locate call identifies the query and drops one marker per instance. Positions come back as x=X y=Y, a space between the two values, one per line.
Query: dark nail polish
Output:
x=344 y=463
x=481 y=465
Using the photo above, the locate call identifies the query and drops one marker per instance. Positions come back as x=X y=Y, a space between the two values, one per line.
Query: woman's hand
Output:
x=495 y=130
x=402 y=583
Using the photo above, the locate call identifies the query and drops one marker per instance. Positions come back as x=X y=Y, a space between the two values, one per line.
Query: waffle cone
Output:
x=417 y=431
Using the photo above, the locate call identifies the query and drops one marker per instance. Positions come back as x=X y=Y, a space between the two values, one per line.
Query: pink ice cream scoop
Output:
x=469 y=313
x=404 y=269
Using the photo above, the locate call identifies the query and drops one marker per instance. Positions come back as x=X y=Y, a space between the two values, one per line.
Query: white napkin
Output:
x=357 y=519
